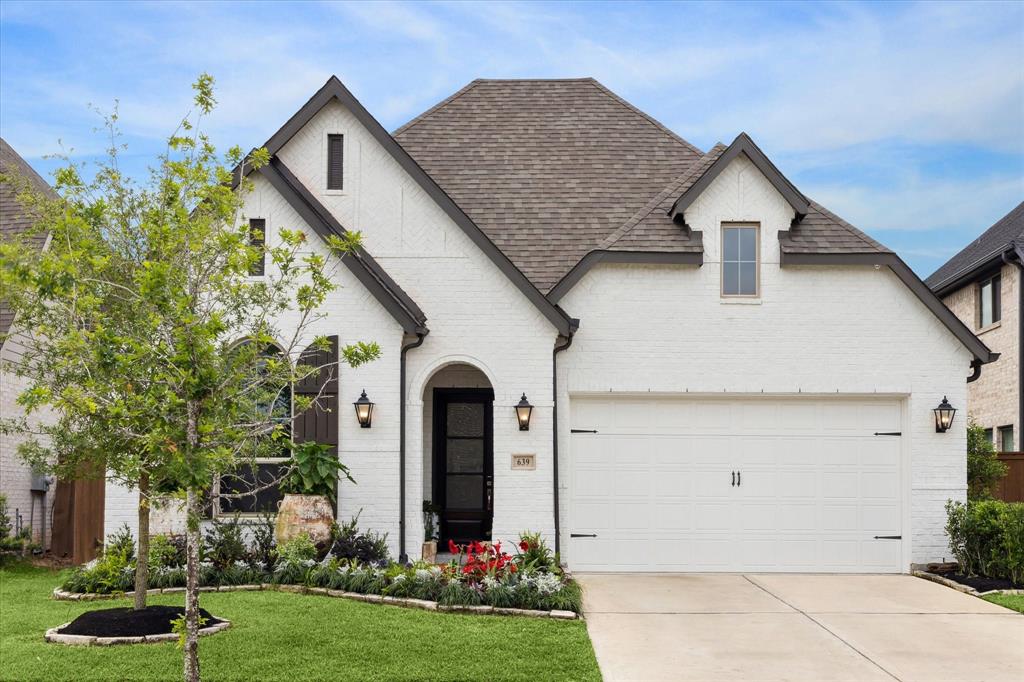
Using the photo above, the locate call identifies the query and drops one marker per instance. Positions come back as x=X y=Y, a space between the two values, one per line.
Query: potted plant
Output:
x=430 y=531
x=311 y=489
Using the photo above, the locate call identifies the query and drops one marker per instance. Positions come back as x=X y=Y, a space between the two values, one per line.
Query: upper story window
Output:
x=740 y=260
x=989 y=304
x=335 y=161
x=257 y=239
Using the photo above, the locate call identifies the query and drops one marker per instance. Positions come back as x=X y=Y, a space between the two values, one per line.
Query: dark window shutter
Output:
x=320 y=422
x=258 y=237
x=335 y=161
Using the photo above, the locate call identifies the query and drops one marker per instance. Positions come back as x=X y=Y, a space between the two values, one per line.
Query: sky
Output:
x=907 y=119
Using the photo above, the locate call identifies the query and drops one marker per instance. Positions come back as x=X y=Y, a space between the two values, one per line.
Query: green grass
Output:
x=1010 y=601
x=281 y=636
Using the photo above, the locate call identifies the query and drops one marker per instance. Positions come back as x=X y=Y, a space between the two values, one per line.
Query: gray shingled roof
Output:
x=546 y=168
x=551 y=170
x=989 y=246
x=14 y=220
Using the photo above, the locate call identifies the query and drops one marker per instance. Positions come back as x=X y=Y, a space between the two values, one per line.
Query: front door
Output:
x=464 y=463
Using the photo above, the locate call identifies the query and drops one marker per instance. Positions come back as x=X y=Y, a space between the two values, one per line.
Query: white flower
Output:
x=91 y=564
x=399 y=578
x=241 y=564
x=547 y=583
x=424 y=574
x=205 y=564
x=308 y=563
x=490 y=582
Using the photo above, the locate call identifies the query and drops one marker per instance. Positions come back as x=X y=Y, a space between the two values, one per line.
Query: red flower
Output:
x=512 y=568
x=524 y=545
x=452 y=547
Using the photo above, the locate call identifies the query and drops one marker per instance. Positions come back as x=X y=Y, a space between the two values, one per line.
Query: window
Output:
x=988 y=435
x=258 y=477
x=989 y=302
x=257 y=239
x=740 y=260
x=335 y=161
x=1005 y=443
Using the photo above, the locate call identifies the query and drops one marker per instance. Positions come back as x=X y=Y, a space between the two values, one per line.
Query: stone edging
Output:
x=55 y=637
x=408 y=603
x=966 y=589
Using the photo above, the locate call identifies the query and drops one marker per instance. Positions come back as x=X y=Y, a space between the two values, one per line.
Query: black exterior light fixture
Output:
x=523 y=411
x=364 y=410
x=943 y=416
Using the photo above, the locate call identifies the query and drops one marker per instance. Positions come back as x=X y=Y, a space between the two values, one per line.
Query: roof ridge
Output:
x=653 y=121
x=653 y=203
x=440 y=105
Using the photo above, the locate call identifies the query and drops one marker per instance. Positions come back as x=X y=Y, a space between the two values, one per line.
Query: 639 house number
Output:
x=524 y=462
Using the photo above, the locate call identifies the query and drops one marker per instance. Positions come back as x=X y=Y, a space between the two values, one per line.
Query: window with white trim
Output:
x=741 y=262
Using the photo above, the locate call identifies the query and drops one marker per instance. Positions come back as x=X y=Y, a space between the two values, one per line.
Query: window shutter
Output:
x=335 y=161
x=320 y=422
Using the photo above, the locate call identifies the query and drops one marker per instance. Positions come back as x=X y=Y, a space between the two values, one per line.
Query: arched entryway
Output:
x=458 y=452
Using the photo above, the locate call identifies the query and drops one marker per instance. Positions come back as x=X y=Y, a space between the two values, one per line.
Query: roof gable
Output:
x=742 y=145
x=334 y=89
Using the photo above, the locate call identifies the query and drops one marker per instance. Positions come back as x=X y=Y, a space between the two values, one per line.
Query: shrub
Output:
x=121 y=543
x=987 y=538
x=5 y=519
x=299 y=548
x=315 y=471
x=167 y=551
x=224 y=544
x=984 y=470
x=534 y=554
x=364 y=547
x=263 y=551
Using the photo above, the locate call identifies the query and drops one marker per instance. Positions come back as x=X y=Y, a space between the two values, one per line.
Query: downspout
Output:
x=403 y=556
x=554 y=436
x=1017 y=258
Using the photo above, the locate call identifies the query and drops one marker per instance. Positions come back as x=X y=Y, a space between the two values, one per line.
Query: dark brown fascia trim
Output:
x=980 y=351
x=334 y=88
x=360 y=263
x=567 y=282
x=971 y=273
x=743 y=145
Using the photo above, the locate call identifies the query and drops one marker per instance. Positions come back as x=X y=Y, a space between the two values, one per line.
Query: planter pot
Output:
x=311 y=514
x=429 y=553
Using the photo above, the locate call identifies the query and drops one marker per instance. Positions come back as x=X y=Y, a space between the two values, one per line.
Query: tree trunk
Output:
x=142 y=560
x=192 y=590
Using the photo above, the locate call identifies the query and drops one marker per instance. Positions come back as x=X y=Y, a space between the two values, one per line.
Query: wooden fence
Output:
x=1011 y=488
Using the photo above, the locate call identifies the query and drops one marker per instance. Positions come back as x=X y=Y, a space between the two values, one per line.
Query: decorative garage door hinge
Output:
x=583 y=430
x=583 y=535
x=888 y=433
x=888 y=537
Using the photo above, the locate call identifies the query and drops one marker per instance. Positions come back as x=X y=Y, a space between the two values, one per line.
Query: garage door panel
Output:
x=655 y=484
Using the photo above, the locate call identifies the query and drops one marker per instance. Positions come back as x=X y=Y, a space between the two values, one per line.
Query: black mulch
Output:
x=981 y=584
x=127 y=622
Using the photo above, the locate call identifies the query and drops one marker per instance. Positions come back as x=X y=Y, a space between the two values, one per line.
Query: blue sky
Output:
x=906 y=119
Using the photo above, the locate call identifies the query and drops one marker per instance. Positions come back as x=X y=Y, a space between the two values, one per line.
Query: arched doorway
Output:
x=458 y=452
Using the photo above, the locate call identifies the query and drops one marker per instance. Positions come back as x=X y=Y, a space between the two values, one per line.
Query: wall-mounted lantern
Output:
x=364 y=410
x=523 y=411
x=943 y=416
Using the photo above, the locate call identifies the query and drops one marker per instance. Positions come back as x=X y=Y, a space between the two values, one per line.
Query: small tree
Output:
x=984 y=470
x=162 y=359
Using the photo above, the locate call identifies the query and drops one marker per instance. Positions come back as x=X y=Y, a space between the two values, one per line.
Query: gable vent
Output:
x=335 y=161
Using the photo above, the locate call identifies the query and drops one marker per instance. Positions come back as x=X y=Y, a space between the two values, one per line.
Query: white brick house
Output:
x=724 y=375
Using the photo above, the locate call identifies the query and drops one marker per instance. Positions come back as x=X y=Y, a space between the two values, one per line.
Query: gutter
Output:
x=1016 y=257
x=403 y=556
x=554 y=430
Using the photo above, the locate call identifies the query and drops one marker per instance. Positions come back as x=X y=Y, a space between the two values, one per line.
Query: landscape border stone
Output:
x=403 y=602
x=54 y=636
x=966 y=589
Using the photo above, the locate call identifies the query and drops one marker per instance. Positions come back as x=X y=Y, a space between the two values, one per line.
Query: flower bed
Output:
x=479 y=576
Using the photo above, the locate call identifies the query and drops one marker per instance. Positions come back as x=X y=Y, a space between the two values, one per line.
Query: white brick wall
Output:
x=815 y=330
x=15 y=475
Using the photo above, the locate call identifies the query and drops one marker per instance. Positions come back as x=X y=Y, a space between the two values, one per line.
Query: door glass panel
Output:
x=465 y=456
x=465 y=492
x=465 y=419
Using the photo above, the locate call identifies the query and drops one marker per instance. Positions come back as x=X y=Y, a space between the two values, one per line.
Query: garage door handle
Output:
x=888 y=537
x=739 y=478
x=583 y=535
x=734 y=479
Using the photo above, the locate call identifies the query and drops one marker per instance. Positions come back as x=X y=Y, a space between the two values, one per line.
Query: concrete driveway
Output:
x=797 y=627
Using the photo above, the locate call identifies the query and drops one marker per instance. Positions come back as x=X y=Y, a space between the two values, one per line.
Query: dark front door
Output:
x=464 y=463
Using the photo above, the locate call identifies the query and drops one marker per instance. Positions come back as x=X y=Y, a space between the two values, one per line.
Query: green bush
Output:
x=315 y=471
x=984 y=470
x=987 y=537
x=5 y=519
x=224 y=544
x=299 y=548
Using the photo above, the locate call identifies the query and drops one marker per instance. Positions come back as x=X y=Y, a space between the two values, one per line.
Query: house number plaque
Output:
x=528 y=462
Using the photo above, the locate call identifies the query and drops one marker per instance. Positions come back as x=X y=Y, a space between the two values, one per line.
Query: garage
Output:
x=659 y=483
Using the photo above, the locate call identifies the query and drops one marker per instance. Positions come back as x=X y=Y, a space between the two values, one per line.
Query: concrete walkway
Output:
x=797 y=627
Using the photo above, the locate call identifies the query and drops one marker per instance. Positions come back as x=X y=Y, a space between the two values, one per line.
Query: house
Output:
x=982 y=286
x=715 y=373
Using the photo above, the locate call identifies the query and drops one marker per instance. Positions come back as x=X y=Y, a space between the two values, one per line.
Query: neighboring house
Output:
x=66 y=517
x=724 y=375
x=982 y=286
x=28 y=498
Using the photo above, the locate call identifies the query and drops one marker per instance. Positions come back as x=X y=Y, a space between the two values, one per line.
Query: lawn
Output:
x=282 y=636
x=1010 y=601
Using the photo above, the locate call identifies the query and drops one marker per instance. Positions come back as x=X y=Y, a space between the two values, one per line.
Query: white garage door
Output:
x=758 y=484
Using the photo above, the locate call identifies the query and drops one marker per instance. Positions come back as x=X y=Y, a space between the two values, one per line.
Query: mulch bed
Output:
x=981 y=584
x=127 y=622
